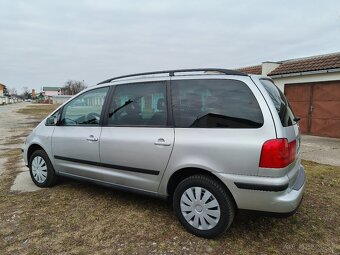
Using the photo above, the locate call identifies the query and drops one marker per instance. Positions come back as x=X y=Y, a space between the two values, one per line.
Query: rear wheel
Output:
x=203 y=206
x=41 y=169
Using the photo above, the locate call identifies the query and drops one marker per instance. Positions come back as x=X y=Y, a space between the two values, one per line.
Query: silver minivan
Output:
x=212 y=140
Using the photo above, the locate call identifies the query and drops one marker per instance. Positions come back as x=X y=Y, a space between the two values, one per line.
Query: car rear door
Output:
x=75 y=140
x=220 y=124
x=287 y=126
x=287 y=123
x=136 y=142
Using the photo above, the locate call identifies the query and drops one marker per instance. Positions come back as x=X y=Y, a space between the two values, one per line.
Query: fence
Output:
x=7 y=100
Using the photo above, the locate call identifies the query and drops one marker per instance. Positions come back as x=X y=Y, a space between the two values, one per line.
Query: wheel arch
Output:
x=32 y=148
x=51 y=176
x=184 y=173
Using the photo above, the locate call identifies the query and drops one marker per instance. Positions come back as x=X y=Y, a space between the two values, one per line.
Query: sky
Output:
x=46 y=43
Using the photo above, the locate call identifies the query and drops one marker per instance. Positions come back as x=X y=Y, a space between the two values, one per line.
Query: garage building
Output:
x=312 y=86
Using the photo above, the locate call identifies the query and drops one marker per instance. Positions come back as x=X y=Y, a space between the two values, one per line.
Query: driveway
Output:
x=322 y=150
x=11 y=124
x=14 y=128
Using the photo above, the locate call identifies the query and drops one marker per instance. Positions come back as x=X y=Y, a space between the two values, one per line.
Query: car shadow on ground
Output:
x=246 y=222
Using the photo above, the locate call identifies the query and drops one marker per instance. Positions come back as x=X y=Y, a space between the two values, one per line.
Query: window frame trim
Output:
x=285 y=99
x=216 y=128
x=100 y=124
x=169 y=122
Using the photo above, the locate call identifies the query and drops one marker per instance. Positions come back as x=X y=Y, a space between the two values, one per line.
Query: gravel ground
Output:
x=13 y=125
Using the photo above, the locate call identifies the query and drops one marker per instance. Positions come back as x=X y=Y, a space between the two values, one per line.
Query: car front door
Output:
x=136 y=143
x=75 y=140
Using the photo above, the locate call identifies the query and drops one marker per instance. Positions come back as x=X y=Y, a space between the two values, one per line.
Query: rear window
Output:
x=214 y=104
x=280 y=102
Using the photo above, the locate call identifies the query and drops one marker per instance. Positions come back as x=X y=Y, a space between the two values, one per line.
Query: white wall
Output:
x=60 y=99
x=51 y=93
x=267 y=67
x=281 y=81
x=6 y=100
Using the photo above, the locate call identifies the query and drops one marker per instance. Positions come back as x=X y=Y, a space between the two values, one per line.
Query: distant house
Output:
x=51 y=91
x=2 y=90
x=312 y=86
x=5 y=99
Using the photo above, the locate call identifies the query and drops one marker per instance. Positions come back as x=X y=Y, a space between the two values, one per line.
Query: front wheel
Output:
x=41 y=169
x=203 y=206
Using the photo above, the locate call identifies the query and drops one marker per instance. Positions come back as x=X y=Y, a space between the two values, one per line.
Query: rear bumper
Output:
x=266 y=194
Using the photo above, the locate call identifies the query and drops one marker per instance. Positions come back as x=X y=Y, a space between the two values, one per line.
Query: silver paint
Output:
x=232 y=155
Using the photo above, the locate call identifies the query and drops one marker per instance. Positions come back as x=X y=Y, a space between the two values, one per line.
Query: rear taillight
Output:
x=292 y=151
x=277 y=153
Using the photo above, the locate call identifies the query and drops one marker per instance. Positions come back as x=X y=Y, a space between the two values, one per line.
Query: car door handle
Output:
x=91 y=138
x=162 y=142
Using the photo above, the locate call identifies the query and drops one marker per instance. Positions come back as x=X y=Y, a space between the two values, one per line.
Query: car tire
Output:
x=41 y=169
x=203 y=206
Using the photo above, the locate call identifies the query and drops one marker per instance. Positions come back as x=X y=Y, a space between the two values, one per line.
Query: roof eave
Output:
x=334 y=70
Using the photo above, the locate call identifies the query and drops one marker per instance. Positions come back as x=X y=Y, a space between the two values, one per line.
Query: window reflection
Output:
x=215 y=104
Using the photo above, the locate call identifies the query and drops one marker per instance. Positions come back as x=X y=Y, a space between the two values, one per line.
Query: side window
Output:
x=85 y=109
x=214 y=104
x=281 y=104
x=139 y=104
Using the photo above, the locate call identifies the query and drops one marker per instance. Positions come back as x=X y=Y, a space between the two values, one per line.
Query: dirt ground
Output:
x=81 y=218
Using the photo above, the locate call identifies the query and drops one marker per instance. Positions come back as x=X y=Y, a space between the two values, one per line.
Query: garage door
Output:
x=318 y=106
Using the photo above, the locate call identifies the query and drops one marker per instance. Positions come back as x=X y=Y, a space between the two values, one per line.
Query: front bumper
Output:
x=269 y=194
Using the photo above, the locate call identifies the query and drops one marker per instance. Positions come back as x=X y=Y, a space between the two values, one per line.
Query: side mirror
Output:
x=51 y=121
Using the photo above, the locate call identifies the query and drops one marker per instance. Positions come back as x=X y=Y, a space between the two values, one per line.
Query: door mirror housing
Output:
x=52 y=121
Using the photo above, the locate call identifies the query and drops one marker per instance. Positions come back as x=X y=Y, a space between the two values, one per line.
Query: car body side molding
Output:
x=124 y=168
x=261 y=187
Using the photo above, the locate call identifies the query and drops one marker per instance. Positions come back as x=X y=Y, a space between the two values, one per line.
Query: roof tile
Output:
x=317 y=63
x=251 y=69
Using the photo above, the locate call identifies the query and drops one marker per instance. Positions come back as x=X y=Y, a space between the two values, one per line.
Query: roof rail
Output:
x=172 y=73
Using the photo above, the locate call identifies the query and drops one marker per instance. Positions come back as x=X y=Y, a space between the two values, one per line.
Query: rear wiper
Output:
x=120 y=107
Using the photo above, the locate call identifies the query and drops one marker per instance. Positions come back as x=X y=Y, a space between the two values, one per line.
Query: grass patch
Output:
x=38 y=111
x=13 y=141
x=80 y=218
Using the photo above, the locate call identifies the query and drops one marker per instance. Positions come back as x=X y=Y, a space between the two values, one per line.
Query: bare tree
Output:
x=73 y=87
x=12 y=91
x=26 y=92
